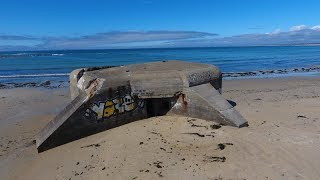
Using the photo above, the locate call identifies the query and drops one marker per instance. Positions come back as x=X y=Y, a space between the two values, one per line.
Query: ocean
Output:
x=235 y=62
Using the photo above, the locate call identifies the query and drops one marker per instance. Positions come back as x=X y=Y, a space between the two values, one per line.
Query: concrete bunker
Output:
x=107 y=97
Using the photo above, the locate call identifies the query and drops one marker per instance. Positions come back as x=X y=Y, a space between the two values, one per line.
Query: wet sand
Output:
x=282 y=141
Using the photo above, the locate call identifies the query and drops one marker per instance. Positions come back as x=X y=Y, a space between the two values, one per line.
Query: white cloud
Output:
x=300 y=35
x=116 y=38
x=298 y=28
x=132 y=39
x=277 y=31
x=17 y=37
x=317 y=28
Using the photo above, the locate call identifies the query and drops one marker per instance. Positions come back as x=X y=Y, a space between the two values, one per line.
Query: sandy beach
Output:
x=281 y=142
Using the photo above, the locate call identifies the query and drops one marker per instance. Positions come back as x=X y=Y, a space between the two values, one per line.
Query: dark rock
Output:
x=46 y=83
x=97 y=68
x=215 y=126
x=158 y=164
x=214 y=159
x=2 y=86
x=91 y=145
x=200 y=135
x=221 y=146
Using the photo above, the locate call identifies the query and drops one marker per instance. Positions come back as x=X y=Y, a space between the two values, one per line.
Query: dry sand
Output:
x=282 y=141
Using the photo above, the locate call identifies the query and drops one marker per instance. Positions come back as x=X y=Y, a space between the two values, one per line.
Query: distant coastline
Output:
x=152 y=47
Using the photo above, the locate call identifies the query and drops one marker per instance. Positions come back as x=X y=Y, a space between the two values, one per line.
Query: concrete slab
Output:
x=108 y=97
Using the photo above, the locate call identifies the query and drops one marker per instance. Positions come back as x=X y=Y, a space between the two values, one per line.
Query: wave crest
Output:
x=33 y=75
x=17 y=55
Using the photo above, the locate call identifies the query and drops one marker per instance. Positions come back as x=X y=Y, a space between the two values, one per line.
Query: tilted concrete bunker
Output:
x=107 y=97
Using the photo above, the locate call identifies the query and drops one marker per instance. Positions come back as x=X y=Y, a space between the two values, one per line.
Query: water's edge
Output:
x=261 y=74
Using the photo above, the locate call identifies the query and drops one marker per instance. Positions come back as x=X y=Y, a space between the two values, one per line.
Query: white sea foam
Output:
x=19 y=54
x=30 y=55
x=33 y=75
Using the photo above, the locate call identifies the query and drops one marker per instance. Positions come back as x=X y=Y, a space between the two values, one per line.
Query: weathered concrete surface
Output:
x=204 y=102
x=106 y=97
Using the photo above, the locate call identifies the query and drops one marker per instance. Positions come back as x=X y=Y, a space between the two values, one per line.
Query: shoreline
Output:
x=45 y=84
x=259 y=74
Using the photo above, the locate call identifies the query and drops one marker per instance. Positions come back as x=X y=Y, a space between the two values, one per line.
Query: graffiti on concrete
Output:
x=106 y=109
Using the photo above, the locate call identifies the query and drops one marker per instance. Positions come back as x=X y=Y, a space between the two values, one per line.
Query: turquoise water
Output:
x=56 y=65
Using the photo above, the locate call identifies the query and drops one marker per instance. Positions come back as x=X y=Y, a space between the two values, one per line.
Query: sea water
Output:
x=38 y=66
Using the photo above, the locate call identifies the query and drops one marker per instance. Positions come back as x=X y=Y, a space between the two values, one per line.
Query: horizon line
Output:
x=189 y=47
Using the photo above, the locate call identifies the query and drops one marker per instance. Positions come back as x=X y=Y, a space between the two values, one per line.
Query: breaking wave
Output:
x=17 y=55
x=33 y=75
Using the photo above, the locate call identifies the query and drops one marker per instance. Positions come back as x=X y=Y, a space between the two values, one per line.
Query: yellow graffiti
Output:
x=112 y=106
x=109 y=109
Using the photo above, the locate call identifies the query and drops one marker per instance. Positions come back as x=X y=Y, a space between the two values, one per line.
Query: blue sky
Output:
x=80 y=24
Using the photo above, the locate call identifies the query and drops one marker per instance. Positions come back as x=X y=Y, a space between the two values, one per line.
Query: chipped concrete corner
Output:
x=107 y=97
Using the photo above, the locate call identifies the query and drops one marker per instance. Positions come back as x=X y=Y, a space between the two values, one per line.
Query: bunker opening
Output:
x=159 y=106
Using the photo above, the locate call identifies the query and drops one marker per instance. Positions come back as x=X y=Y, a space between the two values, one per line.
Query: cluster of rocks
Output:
x=266 y=72
x=45 y=84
